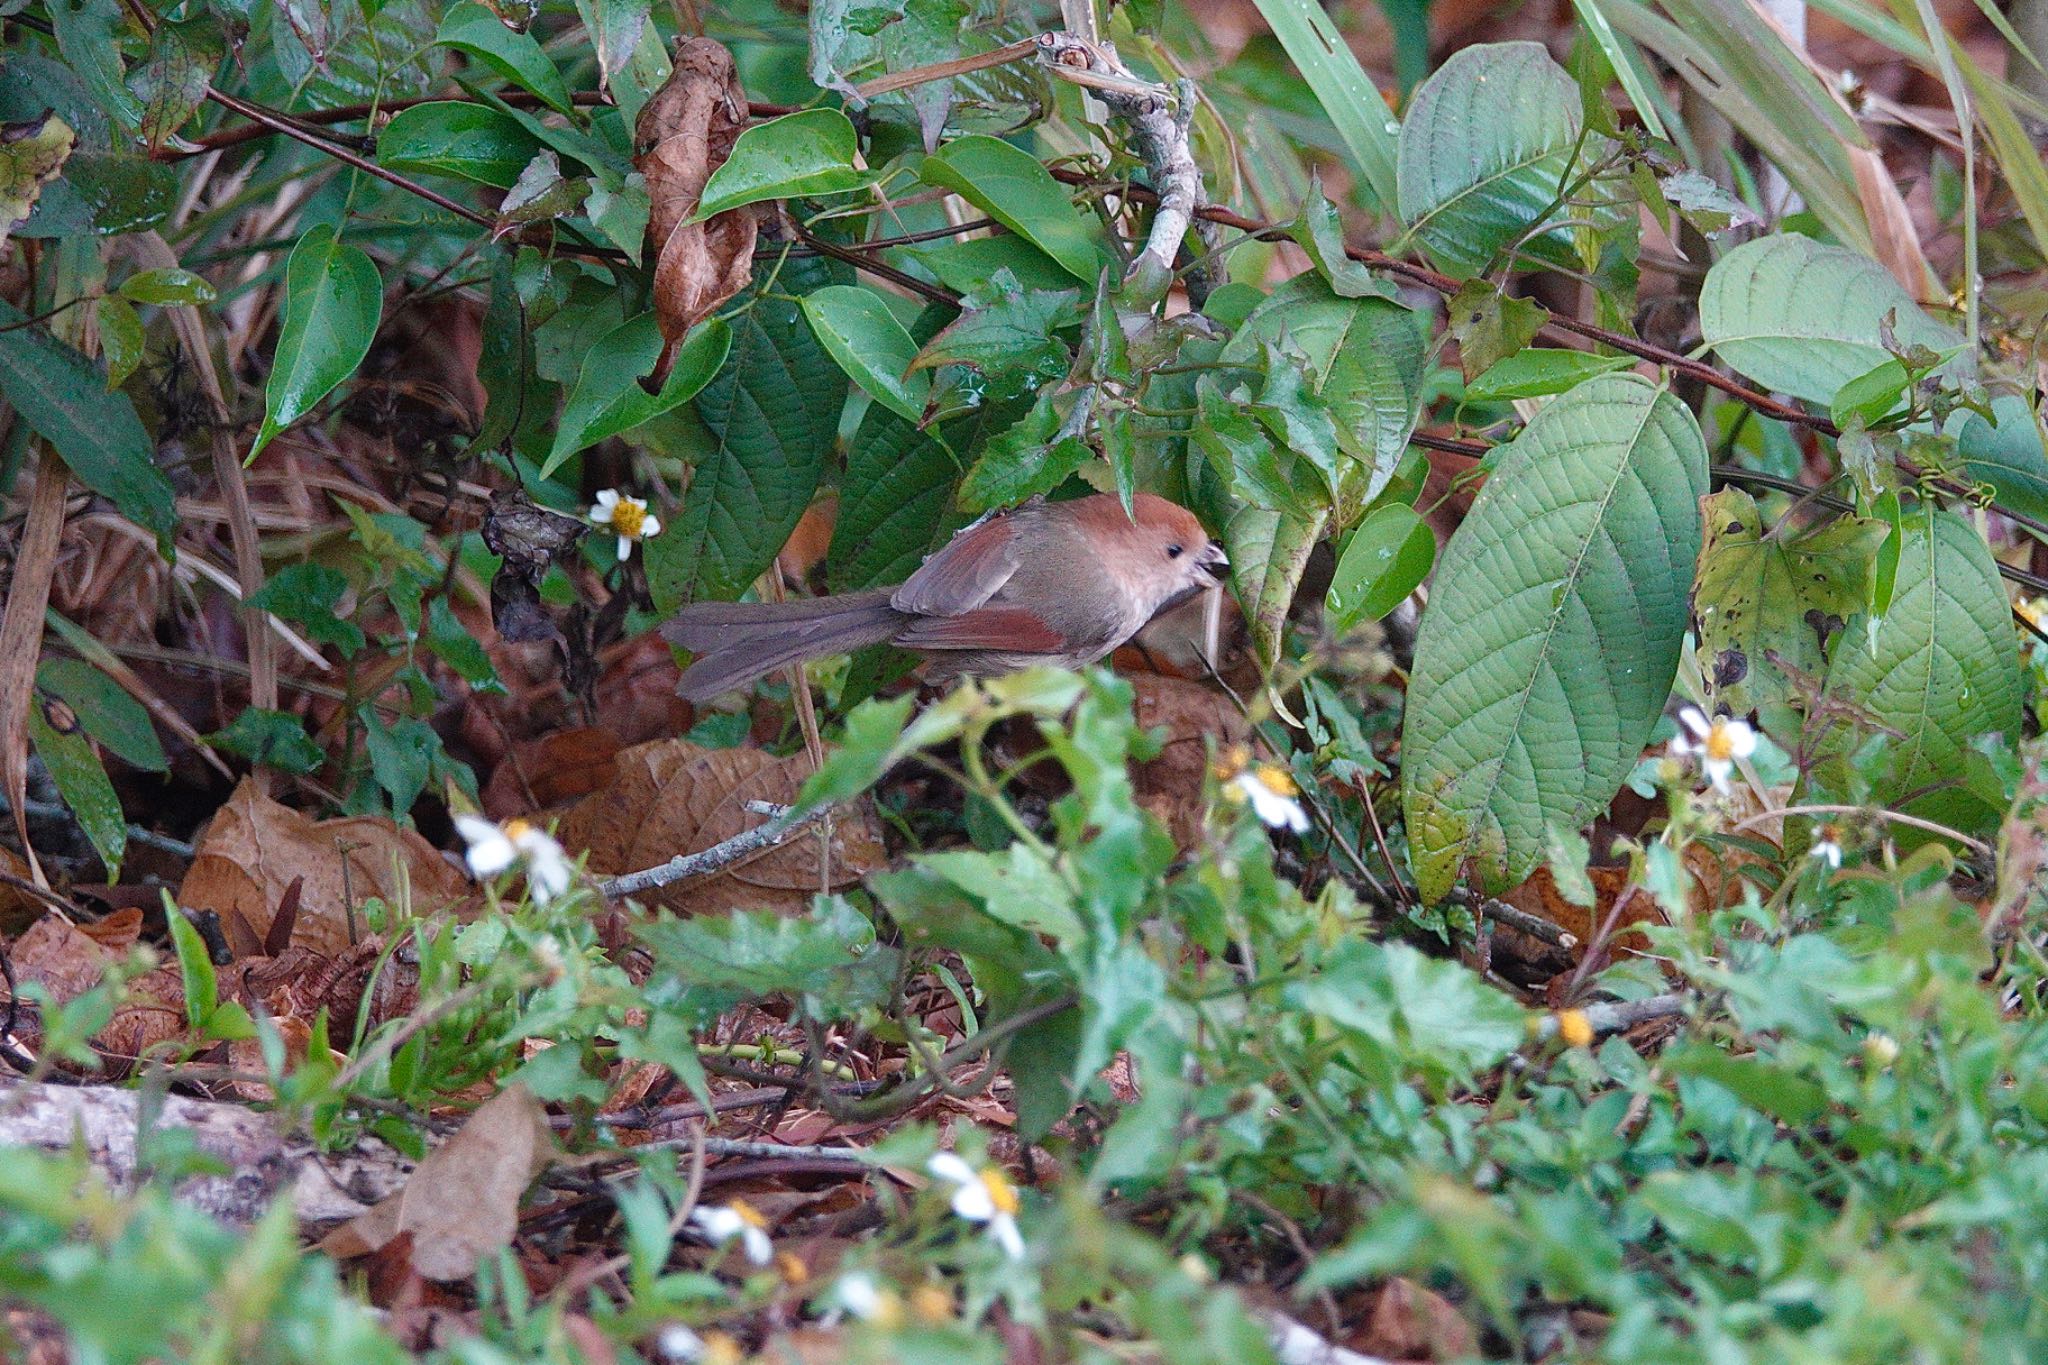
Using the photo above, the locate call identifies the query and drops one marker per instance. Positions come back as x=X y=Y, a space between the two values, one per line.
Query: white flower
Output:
x=723 y=1222
x=1827 y=846
x=985 y=1196
x=1719 y=744
x=1273 y=796
x=677 y=1342
x=494 y=848
x=625 y=516
x=859 y=1295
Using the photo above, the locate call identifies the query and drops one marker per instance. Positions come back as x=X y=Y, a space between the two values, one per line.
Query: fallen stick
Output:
x=264 y=1162
x=722 y=855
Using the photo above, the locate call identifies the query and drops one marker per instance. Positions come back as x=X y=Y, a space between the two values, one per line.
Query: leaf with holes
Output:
x=1485 y=148
x=1802 y=318
x=1553 y=632
x=1941 y=667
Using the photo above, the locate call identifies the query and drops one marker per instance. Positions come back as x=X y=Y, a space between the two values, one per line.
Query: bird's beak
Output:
x=1215 y=561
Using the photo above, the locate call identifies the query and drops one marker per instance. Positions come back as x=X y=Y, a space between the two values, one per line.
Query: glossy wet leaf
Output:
x=333 y=299
x=1389 y=555
x=608 y=398
x=460 y=139
x=1010 y=186
x=858 y=331
x=807 y=153
x=515 y=56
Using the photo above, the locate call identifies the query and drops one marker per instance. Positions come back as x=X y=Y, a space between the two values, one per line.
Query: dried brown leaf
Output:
x=254 y=850
x=1408 y=1322
x=669 y=797
x=1199 y=721
x=68 y=962
x=684 y=133
x=462 y=1202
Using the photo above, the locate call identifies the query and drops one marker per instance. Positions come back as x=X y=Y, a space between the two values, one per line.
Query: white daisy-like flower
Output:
x=626 y=517
x=1719 y=743
x=723 y=1222
x=1273 y=796
x=860 y=1295
x=679 y=1343
x=985 y=1196
x=494 y=848
x=1827 y=846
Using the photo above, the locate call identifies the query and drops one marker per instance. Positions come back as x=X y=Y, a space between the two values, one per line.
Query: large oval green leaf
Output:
x=1009 y=185
x=467 y=141
x=333 y=297
x=95 y=432
x=1484 y=151
x=1941 y=667
x=807 y=153
x=1802 y=318
x=857 y=329
x=608 y=398
x=470 y=28
x=2010 y=456
x=1552 y=633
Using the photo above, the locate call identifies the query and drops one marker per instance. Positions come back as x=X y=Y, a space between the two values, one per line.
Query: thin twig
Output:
x=1500 y=912
x=1876 y=812
x=721 y=855
x=1615 y=1016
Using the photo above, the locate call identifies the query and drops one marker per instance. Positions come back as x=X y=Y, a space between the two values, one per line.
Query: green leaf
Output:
x=310 y=595
x=1802 y=318
x=1941 y=666
x=274 y=739
x=1627 y=60
x=827 y=959
x=96 y=432
x=517 y=57
x=121 y=337
x=195 y=967
x=1010 y=186
x=468 y=141
x=2008 y=455
x=107 y=712
x=1418 y=1012
x=1036 y=454
x=1346 y=93
x=1489 y=325
x=1536 y=373
x=1365 y=358
x=608 y=398
x=88 y=33
x=1390 y=554
x=1269 y=550
x=1319 y=233
x=773 y=413
x=1009 y=340
x=32 y=153
x=795 y=156
x=168 y=286
x=402 y=755
x=171 y=82
x=1761 y=594
x=333 y=299
x=897 y=492
x=60 y=742
x=1553 y=632
x=1484 y=151
x=969 y=264
x=858 y=331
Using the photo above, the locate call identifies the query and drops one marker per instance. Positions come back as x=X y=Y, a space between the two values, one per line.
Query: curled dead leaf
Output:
x=684 y=133
x=254 y=849
x=670 y=796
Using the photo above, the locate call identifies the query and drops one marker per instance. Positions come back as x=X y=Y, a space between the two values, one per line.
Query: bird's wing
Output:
x=968 y=570
x=1009 y=629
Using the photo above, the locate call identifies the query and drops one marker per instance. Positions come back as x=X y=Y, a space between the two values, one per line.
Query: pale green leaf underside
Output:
x=1802 y=318
x=1943 y=665
x=1484 y=150
x=1553 y=631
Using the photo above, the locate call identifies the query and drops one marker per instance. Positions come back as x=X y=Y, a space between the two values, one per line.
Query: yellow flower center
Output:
x=1719 y=744
x=1001 y=1192
x=1574 y=1028
x=516 y=829
x=628 y=516
x=748 y=1214
x=1276 y=780
x=931 y=1304
x=792 y=1266
x=888 y=1311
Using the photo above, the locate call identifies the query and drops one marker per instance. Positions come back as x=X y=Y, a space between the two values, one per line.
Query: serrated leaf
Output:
x=608 y=398
x=2010 y=455
x=811 y=152
x=1552 y=633
x=64 y=400
x=1762 y=593
x=773 y=412
x=828 y=959
x=514 y=55
x=107 y=712
x=1802 y=318
x=1009 y=340
x=310 y=594
x=859 y=332
x=60 y=742
x=895 y=499
x=274 y=739
x=1484 y=150
x=1010 y=186
x=466 y=140
x=1941 y=667
x=333 y=298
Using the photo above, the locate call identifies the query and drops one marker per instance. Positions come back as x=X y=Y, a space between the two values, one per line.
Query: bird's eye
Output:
x=1175 y=551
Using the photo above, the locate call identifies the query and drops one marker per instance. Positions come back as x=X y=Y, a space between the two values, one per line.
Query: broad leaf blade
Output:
x=333 y=298
x=1346 y=93
x=468 y=141
x=806 y=153
x=1553 y=631
x=471 y=29
x=1802 y=318
x=1010 y=186
x=857 y=329
x=608 y=398
x=2011 y=456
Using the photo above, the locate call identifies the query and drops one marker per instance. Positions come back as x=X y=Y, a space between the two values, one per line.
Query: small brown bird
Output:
x=1059 y=583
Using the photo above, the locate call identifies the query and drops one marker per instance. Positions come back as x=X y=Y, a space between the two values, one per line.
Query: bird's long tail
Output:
x=737 y=642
